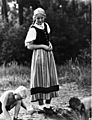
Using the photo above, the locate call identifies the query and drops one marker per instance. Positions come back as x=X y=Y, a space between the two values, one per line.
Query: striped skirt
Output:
x=44 y=81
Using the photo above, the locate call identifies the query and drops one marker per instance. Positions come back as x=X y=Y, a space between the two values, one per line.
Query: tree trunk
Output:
x=20 y=13
x=4 y=10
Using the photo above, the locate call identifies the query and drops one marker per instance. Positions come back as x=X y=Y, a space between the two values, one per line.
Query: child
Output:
x=83 y=106
x=10 y=99
x=44 y=81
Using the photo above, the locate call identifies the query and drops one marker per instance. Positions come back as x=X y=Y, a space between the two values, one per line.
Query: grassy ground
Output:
x=74 y=81
x=15 y=75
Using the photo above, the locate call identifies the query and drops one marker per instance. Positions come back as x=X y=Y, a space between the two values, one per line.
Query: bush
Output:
x=13 y=47
x=70 y=33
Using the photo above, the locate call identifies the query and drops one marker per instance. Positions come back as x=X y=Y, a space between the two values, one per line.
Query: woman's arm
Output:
x=32 y=46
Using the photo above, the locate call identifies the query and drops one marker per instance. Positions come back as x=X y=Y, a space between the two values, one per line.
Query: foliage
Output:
x=14 y=75
x=13 y=47
x=70 y=32
x=71 y=29
x=75 y=72
x=28 y=3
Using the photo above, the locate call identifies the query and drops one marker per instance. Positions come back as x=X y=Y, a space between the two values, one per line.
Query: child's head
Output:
x=75 y=103
x=39 y=16
x=22 y=91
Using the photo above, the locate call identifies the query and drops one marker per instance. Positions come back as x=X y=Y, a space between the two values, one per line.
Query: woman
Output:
x=44 y=81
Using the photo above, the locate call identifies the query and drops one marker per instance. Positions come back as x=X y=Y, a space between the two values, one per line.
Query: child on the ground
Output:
x=10 y=99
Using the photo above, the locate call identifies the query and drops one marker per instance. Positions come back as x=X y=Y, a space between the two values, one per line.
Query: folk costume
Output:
x=44 y=81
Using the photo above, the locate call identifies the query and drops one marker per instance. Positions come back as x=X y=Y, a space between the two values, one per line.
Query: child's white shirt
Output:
x=5 y=94
x=31 y=35
x=3 y=99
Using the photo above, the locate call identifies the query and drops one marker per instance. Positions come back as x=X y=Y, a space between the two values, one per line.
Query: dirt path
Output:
x=66 y=91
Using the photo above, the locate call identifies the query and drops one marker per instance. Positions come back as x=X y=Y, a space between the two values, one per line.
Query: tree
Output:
x=27 y=4
x=20 y=13
x=70 y=32
x=70 y=29
x=4 y=10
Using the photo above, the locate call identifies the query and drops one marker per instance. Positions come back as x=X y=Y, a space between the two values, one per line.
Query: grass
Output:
x=15 y=75
x=70 y=72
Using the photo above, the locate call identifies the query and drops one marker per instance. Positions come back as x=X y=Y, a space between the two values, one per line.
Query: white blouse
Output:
x=31 y=35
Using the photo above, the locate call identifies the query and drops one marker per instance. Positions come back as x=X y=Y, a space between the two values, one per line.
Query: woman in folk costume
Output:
x=44 y=81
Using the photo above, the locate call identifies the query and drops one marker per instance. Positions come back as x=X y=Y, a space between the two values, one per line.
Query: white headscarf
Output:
x=38 y=11
x=22 y=91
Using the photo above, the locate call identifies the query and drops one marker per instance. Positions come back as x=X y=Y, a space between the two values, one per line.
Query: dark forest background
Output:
x=70 y=22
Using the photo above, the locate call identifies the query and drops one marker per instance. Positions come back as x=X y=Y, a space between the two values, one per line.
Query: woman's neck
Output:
x=39 y=26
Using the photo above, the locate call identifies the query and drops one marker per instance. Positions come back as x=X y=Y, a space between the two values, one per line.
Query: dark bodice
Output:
x=42 y=36
x=1 y=108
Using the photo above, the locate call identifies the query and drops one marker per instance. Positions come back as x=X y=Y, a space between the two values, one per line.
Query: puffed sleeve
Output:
x=48 y=28
x=31 y=35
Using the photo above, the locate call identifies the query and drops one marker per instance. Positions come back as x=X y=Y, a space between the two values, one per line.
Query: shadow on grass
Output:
x=58 y=114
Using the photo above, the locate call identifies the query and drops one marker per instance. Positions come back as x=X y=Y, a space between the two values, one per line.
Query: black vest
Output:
x=1 y=108
x=42 y=36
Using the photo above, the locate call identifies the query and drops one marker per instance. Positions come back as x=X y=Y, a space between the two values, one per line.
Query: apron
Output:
x=44 y=81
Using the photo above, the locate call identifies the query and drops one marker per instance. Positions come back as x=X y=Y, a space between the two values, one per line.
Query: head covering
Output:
x=38 y=11
x=22 y=91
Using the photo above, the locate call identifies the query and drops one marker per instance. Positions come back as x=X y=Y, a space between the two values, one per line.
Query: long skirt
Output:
x=44 y=81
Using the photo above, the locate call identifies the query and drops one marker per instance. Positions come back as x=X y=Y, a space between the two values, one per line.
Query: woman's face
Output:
x=39 y=19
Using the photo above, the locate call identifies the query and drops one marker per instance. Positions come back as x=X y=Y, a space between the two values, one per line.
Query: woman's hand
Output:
x=47 y=48
x=50 y=45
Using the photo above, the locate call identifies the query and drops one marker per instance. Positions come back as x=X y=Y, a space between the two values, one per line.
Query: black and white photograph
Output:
x=45 y=60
